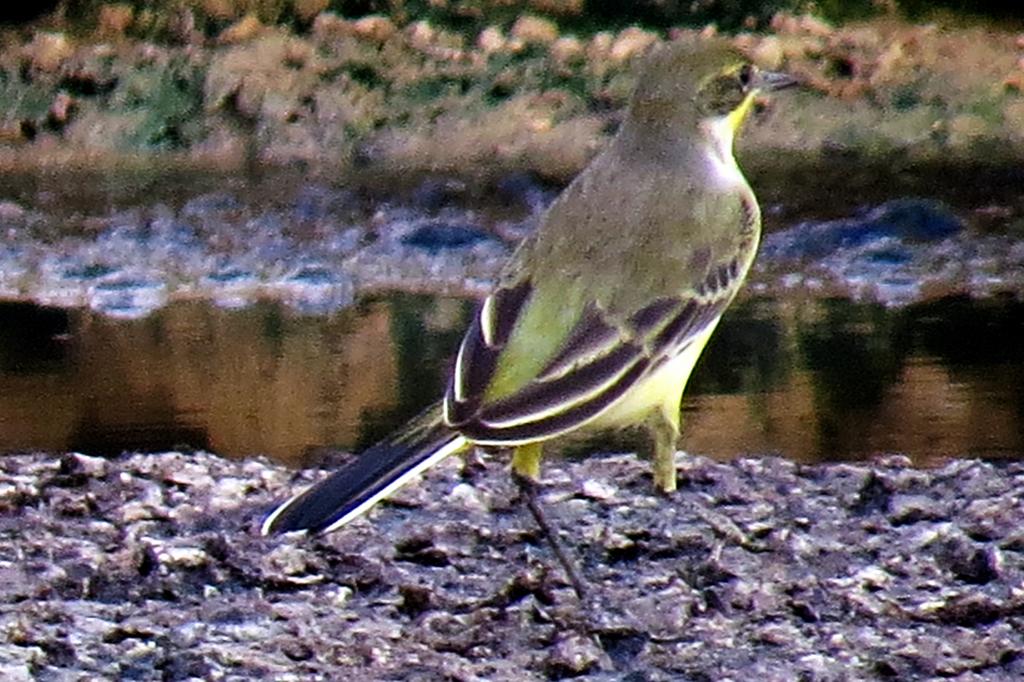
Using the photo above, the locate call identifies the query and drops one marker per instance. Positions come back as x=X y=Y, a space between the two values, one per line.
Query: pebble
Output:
x=629 y=43
x=243 y=30
x=421 y=35
x=48 y=51
x=374 y=28
x=567 y=49
x=491 y=40
x=598 y=490
x=11 y=211
x=573 y=655
x=468 y=497
x=533 y=30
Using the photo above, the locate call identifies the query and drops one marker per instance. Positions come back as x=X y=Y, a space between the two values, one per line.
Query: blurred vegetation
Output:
x=471 y=15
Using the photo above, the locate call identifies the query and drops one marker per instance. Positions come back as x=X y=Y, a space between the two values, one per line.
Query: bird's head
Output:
x=707 y=84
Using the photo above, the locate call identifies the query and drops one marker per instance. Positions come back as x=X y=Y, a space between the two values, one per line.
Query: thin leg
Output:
x=526 y=461
x=526 y=472
x=664 y=433
x=529 y=490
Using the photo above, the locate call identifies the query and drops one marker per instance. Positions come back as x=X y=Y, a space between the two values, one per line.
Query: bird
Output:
x=600 y=315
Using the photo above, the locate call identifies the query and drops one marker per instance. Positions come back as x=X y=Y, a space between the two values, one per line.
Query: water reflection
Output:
x=257 y=380
x=810 y=380
x=831 y=380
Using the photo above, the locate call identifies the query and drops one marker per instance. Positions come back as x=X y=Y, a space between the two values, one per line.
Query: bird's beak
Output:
x=767 y=81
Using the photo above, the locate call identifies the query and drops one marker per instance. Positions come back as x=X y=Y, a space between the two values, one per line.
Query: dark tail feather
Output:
x=378 y=472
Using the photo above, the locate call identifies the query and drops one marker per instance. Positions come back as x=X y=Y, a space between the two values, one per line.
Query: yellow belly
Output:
x=660 y=390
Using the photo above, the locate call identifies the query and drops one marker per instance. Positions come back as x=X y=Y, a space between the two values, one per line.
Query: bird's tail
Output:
x=378 y=472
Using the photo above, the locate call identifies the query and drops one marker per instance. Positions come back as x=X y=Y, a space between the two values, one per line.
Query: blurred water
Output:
x=811 y=380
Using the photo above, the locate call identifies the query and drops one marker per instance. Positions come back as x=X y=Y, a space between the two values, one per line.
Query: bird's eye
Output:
x=746 y=75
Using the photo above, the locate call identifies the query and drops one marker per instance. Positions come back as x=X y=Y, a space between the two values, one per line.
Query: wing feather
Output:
x=478 y=354
x=592 y=337
x=542 y=398
x=599 y=361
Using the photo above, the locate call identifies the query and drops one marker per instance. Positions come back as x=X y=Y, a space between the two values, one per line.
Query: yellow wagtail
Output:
x=600 y=315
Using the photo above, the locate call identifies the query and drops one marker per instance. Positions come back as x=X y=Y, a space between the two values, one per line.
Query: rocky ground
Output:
x=150 y=568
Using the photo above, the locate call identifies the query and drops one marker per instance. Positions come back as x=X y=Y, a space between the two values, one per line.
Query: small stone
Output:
x=468 y=497
x=245 y=29
x=297 y=650
x=907 y=509
x=970 y=609
x=93 y=467
x=531 y=30
x=776 y=634
x=340 y=596
x=872 y=577
x=567 y=49
x=599 y=47
x=114 y=19
x=573 y=656
x=11 y=211
x=969 y=561
x=708 y=32
x=667 y=612
x=421 y=35
x=598 y=490
x=48 y=51
x=290 y=561
x=182 y=557
x=374 y=28
x=491 y=40
x=131 y=512
x=630 y=42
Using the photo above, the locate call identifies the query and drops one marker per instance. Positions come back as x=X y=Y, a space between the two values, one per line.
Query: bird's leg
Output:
x=663 y=430
x=526 y=472
x=526 y=461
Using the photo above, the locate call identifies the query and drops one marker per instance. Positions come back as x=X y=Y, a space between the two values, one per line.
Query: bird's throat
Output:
x=718 y=140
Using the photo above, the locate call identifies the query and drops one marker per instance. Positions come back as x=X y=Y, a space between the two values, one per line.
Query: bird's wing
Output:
x=600 y=359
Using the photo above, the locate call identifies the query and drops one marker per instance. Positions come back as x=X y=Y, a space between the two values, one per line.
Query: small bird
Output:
x=600 y=315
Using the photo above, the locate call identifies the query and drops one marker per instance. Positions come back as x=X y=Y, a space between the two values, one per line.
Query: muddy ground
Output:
x=150 y=567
